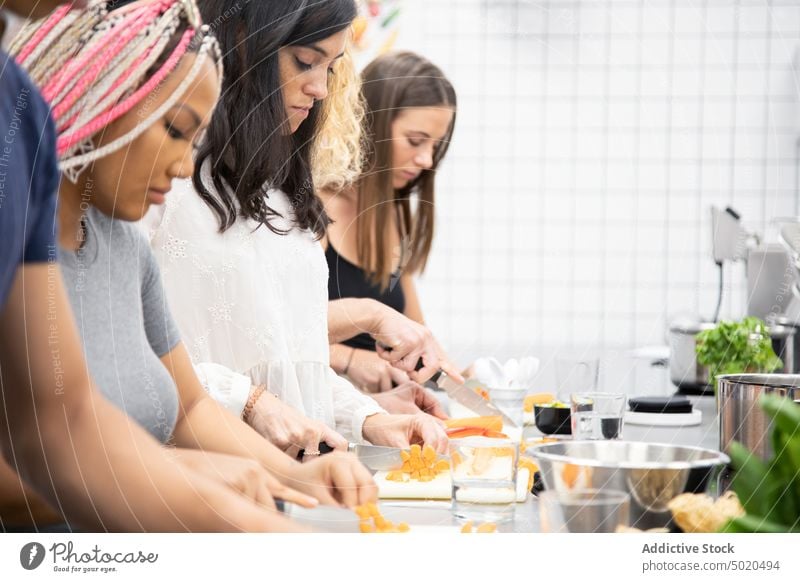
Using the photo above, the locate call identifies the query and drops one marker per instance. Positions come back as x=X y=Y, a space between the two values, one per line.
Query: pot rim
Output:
x=755 y=379
x=540 y=451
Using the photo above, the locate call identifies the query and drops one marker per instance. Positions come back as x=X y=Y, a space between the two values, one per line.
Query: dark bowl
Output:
x=552 y=420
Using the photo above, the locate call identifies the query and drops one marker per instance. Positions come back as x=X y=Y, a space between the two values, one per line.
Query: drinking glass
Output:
x=484 y=472
x=586 y=511
x=597 y=415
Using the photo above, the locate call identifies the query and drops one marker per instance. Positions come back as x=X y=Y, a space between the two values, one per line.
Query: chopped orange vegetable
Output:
x=395 y=476
x=375 y=522
x=493 y=434
x=461 y=433
x=533 y=399
x=487 y=528
x=467 y=527
x=527 y=463
x=487 y=422
x=442 y=466
x=373 y=510
x=405 y=455
x=569 y=474
x=429 y=454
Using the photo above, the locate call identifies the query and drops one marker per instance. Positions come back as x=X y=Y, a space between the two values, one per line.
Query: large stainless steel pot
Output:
x=740 y=416
x=692 y=378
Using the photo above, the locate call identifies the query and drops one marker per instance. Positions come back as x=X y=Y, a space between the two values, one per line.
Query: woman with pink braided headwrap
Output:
x=132 y=86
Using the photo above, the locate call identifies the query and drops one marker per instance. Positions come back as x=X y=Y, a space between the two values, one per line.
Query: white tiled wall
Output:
x=592 y=138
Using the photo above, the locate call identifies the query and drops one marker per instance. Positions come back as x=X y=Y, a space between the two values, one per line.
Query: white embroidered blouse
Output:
x=252 y=306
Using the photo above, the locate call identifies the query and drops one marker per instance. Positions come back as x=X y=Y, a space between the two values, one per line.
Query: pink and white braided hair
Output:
x=91 y=66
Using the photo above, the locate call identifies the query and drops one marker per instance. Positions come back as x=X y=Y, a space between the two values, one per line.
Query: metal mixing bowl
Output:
x=651 y=473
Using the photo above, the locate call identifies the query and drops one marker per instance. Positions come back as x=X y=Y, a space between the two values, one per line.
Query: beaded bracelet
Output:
x=251 y=402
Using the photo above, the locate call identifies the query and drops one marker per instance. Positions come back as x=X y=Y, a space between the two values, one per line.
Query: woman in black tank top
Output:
x=382 y=227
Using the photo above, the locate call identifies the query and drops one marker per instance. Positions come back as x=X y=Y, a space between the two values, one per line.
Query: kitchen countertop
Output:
x=436 y=517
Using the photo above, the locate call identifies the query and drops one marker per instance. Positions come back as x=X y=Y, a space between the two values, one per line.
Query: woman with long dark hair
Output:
x=383 y=225
x=239 y=245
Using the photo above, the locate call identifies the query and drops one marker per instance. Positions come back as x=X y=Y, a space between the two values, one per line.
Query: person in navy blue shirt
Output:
x=86 y=458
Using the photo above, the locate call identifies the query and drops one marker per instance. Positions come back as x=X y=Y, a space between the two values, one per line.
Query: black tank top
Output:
x=348 y=280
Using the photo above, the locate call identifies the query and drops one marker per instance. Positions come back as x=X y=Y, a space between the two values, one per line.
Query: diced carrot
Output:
x=526 y=463
x=366 y=527
x=415 y=451
x=442 y=466
x=467 y=527
x=429 y=454
x=405 y=455
x=373 y=510
x=569 y=474
x=487 y=422
x=487 y=528
x=362 y=511
x=402 y=527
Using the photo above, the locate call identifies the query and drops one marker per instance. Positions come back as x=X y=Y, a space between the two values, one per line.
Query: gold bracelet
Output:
x=251 y=402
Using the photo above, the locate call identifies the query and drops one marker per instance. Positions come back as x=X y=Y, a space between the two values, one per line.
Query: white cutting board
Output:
x=441 y=487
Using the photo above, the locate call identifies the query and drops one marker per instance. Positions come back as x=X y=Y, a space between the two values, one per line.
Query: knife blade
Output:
x=380 y=458
x=466 y=396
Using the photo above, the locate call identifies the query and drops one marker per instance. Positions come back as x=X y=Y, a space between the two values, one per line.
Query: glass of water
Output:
x=597 y=415
x=576 y=374
x=484 y=473
x=586 y=511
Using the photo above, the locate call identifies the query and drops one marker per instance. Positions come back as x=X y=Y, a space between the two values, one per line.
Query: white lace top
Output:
x=253 y=302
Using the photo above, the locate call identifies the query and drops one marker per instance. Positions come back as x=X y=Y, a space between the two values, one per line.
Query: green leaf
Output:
x=752 y=524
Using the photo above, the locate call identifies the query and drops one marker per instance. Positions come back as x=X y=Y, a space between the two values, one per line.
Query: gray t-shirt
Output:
x=125 y=325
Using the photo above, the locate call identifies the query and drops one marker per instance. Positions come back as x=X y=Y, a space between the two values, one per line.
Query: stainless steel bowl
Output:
x=651 y=473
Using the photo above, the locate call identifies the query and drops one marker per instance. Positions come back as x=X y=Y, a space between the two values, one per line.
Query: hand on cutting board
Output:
x=334 y=479
x=404 y=430
x=410 y=398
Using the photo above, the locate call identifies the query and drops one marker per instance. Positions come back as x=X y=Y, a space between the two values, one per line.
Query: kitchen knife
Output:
x=380 y=458
x=466 y=396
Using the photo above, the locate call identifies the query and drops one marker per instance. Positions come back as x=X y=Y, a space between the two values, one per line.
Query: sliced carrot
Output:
x=487 y=422
x=493 y=434
x=460 y=433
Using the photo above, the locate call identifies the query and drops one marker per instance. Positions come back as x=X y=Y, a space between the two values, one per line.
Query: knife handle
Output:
x=434 y=378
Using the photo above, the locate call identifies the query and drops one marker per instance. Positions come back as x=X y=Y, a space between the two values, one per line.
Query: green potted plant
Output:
x=737 y=348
